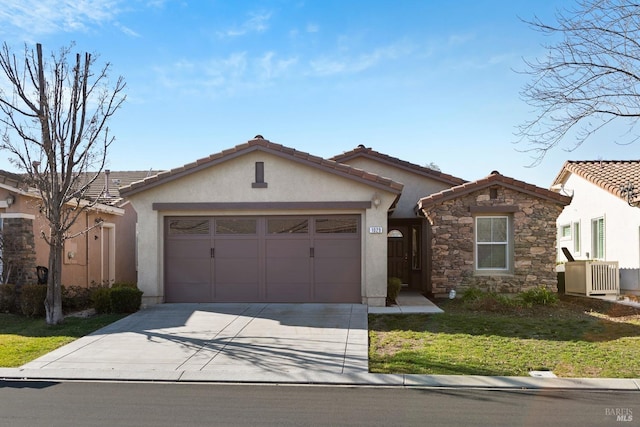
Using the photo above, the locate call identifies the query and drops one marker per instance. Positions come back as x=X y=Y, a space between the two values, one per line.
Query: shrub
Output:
x=75 y=298
x=537 y=296
x=125 y=299
x=7 y=298
x=118 y=299
x=101 y=299
x=473 y=294
x=32 y=300
x=394 y=284
x=124 y=285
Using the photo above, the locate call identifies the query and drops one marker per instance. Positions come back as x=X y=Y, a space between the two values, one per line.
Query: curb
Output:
x=319 y=378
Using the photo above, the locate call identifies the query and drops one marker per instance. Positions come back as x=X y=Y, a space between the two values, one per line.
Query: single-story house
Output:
x=101 y=247
x=602 y=222
x=262 y=222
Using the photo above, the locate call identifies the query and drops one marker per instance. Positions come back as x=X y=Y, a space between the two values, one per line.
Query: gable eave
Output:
x=277 y=150
x=490 y=181
x=400 y=164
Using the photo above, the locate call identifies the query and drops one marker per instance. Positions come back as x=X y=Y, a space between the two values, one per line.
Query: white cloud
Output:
x=348 y=64
x=312 y=28
x=233 y=74
x=257 y=23
x=37 y=17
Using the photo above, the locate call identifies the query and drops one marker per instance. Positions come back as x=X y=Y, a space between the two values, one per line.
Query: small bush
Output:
x=101 y=299
x=7 y=298
x=32 y=300
x=124 y=285
x=473 y=294
x=125 y=299
x=75 y=298
x=537 y=296
x=394 y=284
x=118 y=299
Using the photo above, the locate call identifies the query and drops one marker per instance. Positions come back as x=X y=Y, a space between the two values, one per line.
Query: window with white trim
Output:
x=597 y=238
x=565 y=231
x=576 y=237
x=493 y=250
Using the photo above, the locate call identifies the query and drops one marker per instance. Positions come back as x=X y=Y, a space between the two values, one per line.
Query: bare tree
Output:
x=590 y=77
x=55 y=115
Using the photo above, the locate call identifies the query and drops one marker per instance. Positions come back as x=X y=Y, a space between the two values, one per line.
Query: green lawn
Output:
x=579 y=337
x=23 y=339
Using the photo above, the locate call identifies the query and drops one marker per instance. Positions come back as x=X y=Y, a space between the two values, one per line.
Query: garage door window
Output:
x=288 y=226
x=188 y=226
x=236 y=226
x=337 y=225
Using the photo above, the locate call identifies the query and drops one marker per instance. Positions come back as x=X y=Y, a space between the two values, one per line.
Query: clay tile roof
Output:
x=362 y=151
x=610 y=175
x=10 y=178
x=116 y=181
x=493 y=179
x=273 y=148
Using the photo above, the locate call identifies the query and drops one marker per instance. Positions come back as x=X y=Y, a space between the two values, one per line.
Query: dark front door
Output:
x=398 y=253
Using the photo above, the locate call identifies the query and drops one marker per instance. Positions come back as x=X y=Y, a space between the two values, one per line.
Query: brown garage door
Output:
x=262 y=259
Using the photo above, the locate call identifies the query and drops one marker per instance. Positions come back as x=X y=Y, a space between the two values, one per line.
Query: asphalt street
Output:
x=51 y=404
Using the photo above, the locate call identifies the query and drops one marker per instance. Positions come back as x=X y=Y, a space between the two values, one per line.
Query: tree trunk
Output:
x=53 y=303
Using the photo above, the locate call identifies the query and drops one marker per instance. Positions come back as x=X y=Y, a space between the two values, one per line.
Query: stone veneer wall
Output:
x=534 y=243
x=19 y=250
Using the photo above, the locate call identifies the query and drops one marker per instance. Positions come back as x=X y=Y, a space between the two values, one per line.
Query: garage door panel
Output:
x=337 y=270
x=288 y=271
x=337 y=248
x=189 y=271
x=287 y=248
x=245 y=248
x=236 y=271
x=188 y=248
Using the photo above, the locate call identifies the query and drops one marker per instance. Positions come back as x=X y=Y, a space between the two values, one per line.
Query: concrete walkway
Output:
x=254 y=343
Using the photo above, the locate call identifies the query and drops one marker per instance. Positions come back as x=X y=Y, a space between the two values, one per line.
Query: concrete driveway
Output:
x=219 y=342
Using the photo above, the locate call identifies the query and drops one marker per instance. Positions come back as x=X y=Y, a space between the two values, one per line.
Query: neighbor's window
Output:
x=565 y=231
x=576 y=237
x=492 y=243
x=597 y=238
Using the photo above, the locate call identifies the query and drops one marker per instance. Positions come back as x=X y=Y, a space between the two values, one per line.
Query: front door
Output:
x=398 y=253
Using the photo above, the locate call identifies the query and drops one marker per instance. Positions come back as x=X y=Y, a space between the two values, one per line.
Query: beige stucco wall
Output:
x=288 y=181
x=85 y=267
x=416 y=186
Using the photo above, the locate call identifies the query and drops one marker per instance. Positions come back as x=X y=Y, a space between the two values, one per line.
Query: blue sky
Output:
x=425 y=81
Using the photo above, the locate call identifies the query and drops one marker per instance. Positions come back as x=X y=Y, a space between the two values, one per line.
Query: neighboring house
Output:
x=496 y=234
x=263 y=222
x=599 y=223
x=102 y=246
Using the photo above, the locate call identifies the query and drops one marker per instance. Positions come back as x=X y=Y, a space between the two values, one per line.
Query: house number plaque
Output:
x=375 y=230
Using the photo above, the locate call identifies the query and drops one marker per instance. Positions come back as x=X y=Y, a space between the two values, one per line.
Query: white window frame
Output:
x=561 y=231
x=577 y=236
x=507 y=244
x=598 y=238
